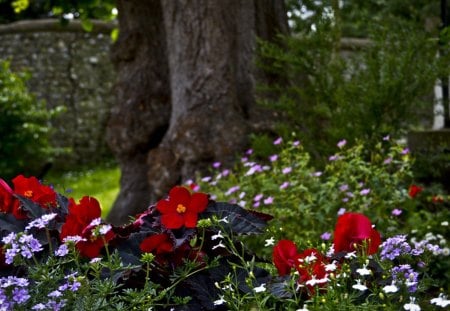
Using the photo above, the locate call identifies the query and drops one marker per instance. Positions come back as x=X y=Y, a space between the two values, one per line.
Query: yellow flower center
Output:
x=181 y=208
x=28 y=193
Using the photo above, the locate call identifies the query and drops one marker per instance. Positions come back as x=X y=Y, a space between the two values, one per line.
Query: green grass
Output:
x=101 y=183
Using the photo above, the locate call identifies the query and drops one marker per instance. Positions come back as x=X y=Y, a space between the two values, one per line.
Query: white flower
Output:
x=303 y=308
x=350 y=255
x=444 y=223
x=217 y=236
x=218 y=245
x=364 y=271
x=224 y=220
x=315 y=281
x=441 y=301
x=390 y=288
x=312 y=258
x=261 y=288
x=270 y=242
x=220 y=301
x=105 y=229
x=411 y=305
x=95 y=260
x=331 y=266
x=359 y=286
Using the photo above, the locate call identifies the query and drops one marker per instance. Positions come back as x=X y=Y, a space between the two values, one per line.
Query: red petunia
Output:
x=181 y=208
x=6 y=197
x=284 y=256
x=79 y=222
x=354 y=229
x=414 y=190
x=157 y=244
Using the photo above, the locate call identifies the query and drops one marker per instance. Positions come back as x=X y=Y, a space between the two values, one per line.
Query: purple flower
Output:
x=341 y=143
x=405 y=151
x=232 y=190
x=206 y=179
x=284 y=185
x=386 y=138
x=364 y=191
x=396 y=212
x=254 y=169
x=258 y=197
x=341 y=211
x=20 y=295
x=343 y=187
x=244 y=159
x=387 y=160
x=225 y=172
x=287 y=170
x=216 y=164
x=325 y=236
x=256 y=204
x=41 y=222
x=333 y=157
x=278 y=141
x=406 y=275
x=268 y=200
x=296 y=143
x=273 y=158
x=317 y=174
x=394 y=247
x=39 y=306
x=249 y=152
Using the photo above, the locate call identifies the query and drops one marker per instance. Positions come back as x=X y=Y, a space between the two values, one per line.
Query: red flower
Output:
x=352 y=229
x=32 y=189
x=80 y=216
x=310 y=265
x=414 y=190
x=93 y=240
x=158 y=244
x=79 y=222
x=284 y=255
x=181 y=208
x=6 y=197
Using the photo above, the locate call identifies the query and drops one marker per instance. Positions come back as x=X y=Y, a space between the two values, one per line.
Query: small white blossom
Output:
x=261 y=288
x=390 y=288
x=96 y=222
x=364 y=271
x=217 y=236
x=444 y=223
x=331 y=266
x=105 y=229
x=219 y=302
x=270 y=242
x=441 y=301
x=218 y=245
x=412 y=306
x=359 y=286
x=350 y=255
x=224 y=220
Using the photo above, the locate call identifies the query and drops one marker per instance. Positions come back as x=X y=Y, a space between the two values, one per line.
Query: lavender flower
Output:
x=268 y=200
x=216 y=164
x=284 y=185
x=258 y=197
x=278 y=141
x=273 y=158
x=296 y=143
x=343 y=188
x=341 y=143
x=41 y=222
x=364 y=191
x=394 y=247
x=396 y=212
x=406 y=275
x=232 y=190
x=325 y=236
x=287 y=170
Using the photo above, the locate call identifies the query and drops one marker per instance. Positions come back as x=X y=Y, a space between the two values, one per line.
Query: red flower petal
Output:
x=284 y=253
x=190 y=220
x=180 y=195
x=165 y=206
x=172 y=220
x=354 y=228
x=199 y=202
x=159 y=242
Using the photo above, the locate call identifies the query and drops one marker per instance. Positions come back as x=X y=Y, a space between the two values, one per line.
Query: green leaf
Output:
x=87 y=24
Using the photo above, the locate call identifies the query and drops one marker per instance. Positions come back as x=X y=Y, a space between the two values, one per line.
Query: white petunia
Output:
x=441 y=301
x=411 y=306
x=270 y=242
x=261 y=288
x=390 y=288
x=359 y=286
x=220 y=301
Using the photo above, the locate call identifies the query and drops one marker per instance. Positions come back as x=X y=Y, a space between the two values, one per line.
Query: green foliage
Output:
x=101 y=182
x=24 y=126
x=376 y=90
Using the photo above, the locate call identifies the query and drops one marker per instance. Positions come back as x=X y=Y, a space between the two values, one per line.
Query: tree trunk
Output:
x=208 y=47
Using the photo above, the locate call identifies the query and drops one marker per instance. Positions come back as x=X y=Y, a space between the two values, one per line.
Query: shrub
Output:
x=24 y=126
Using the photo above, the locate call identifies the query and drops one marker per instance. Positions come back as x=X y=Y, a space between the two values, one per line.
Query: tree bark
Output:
x=202 y=58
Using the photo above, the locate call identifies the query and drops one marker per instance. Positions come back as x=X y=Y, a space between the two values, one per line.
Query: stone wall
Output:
x=69 y=68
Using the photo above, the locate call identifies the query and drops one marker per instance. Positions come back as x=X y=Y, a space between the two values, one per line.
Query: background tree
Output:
x=185 y=91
